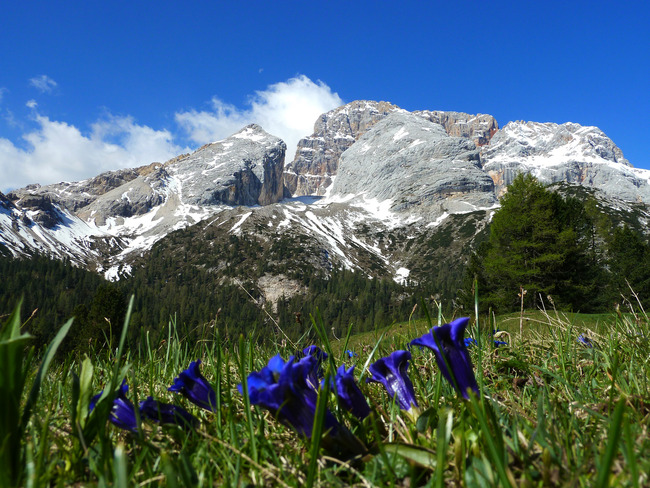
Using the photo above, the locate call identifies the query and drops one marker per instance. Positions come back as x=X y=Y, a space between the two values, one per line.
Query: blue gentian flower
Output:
x=193 y=386
x=349 y=394
x=470 y=341
x=316 y=352
x=391 y=372
x=122 y=412
x=585 y=341
x=166 y=413
x=351 y=354
x=449 y=347
x=314 y=368
x=282 y=388
x=498 y=342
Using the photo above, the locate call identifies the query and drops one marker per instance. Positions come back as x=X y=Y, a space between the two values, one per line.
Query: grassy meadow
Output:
x=552 y=410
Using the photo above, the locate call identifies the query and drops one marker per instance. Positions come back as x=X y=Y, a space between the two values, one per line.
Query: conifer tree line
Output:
x=557 y=251
x=556 y=248
x=193 y=298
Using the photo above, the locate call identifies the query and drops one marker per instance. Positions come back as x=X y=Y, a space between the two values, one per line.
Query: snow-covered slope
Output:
x=102 y=228
x=568 y=152
x=69 y=237
x=416 y=165
x=387 y=188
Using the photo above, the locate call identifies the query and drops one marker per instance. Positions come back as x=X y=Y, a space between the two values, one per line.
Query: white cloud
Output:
x=3 y=90
x=286 y=109
x=43 y=83
x=57 y=151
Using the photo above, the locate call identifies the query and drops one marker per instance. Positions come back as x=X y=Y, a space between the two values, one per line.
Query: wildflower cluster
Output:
x=289 y=389
x=190 y=383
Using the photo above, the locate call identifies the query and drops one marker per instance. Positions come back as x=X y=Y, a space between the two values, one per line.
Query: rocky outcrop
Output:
x=76 y=195
x=39 y=208
x=416 y=165
x=317 y=156
x=479 y=128
x=5 y=203
x=275 y=287
x=244 y=169
x=136 y=197
x=569 y=153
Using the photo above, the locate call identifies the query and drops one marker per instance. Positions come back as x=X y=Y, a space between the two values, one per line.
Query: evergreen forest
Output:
x=549 y=249
x=544 y=248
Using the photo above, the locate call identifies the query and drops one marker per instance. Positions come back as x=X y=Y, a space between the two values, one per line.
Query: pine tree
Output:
x=628 y=264
x=537 y=243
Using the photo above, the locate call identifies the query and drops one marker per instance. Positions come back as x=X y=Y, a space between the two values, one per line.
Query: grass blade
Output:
x=614 y=435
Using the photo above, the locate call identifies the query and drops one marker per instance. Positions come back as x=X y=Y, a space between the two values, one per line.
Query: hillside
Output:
x=376 y=192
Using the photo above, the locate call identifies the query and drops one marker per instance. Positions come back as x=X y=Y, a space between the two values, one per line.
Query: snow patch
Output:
x=401 y=275
x=241 y=221
x=114 y=273
x=400 y=134
x=438 y=221
x=250 y=134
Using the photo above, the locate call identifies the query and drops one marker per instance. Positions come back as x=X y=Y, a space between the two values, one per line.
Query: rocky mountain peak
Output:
x=415 y=164
x=569 y=140
x=317 y=156
x=479 y=128
x=567 y=152
x=243 y=169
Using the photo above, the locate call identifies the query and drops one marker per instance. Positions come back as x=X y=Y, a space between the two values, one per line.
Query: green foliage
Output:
x=541 y=243
x=15 y=368
x=51 y=291
x=628 y=262
x=553 y=413
x=167 y=286
x=534 y=244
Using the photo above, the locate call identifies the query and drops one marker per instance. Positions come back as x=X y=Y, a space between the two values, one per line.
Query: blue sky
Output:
x=87 y=87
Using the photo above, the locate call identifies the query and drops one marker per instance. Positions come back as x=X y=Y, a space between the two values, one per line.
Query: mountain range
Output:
x=374 y=189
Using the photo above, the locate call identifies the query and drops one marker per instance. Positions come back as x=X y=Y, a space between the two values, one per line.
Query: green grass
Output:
x=553 y=413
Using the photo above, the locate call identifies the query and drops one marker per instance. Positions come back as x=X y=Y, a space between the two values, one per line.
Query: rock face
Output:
x=244 y=169
x=76 y=195
x=479 y=128
x=414 y=163
x=568 y=152
x=317 y=156
x=135 y=197
x=41 y=210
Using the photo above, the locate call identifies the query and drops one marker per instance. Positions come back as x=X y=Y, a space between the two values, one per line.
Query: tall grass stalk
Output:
x=551 y=411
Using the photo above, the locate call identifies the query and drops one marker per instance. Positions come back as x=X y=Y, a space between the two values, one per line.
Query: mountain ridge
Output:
x=370 y=169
